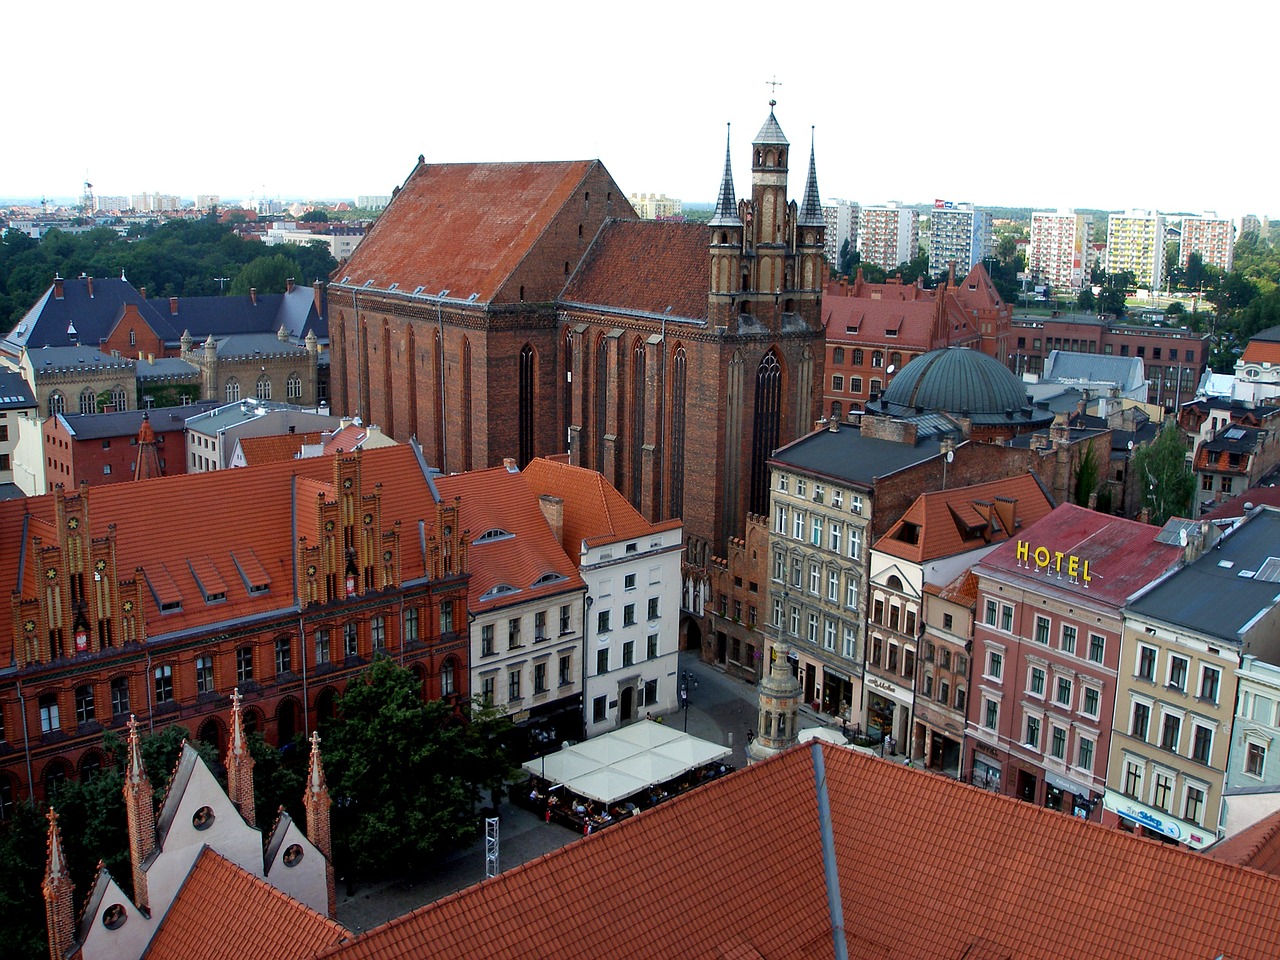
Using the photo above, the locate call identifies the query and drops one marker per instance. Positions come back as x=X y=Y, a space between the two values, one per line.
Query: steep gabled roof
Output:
x=221 y=910
x=464 y=227
x=276 y=447
x=647 y=266
x=964 y=877
x=1256 y=846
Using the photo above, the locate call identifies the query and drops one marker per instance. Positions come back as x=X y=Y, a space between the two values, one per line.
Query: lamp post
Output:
x=688 y=683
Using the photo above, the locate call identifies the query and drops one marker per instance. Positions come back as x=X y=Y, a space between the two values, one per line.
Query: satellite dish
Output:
x=951 y=455
x=889 y=369
x=1130 y=444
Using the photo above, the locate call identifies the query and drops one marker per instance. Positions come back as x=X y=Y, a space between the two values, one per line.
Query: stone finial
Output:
x=240 y=763
x=59 y=906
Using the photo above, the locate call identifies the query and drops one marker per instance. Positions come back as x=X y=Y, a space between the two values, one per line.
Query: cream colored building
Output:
x=1135 y=242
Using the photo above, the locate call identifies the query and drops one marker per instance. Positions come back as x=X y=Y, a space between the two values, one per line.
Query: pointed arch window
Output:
x=528 y=372
x=602 y=399
x=233 y=390
x=293 y=387
x=637 y=420
x=57 y=404
x=88 y=401
x=764 y=439
x=119 y=397
x=679 y=369
x=262 y=389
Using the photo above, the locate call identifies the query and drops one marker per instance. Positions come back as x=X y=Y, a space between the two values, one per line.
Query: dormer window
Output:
x=498 y=590
x=548 y=578
x=496 y=533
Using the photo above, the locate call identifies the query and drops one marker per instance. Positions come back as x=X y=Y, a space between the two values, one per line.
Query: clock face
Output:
x=29 y=626
x=328 y=526
x=386 y=556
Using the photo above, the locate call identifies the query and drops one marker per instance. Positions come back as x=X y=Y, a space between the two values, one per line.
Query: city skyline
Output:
x=299 y=118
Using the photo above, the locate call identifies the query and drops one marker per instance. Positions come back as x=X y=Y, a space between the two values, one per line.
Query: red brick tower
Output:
x=140 y=812
x=59 y=910
x=148 y=464
x=317 y=802
x=239 y=764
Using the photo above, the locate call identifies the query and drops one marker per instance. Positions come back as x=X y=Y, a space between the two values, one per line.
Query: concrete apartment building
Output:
x=1058 y=254
x=654 y=206
x=1046 y=651
x=1213 y=237
x=1183 y=642
x=958 y=234
x=888 y=235
x=1135 y=242
x=841 y=218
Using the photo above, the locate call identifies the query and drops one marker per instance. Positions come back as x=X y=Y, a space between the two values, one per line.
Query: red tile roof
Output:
x=1123 y=554
x=1256 y=846
x=500 y=500
x=929 y=869
x=273 y=449
x=1258 y=496
x=1261 y=351
x=221 y=909
x=646 y=265
x=947 y=522
x=594 y=511
x=464 y=227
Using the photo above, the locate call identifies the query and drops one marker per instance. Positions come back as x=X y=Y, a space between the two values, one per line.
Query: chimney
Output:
x=834 y=425
x=510 y=464
x=143 y=292
x=253 y=296
x=553 y=510
x=288 y=285
x=151 y=358
x=57 y=287
x=173 y=306
x=315 y=295
x=90 y=279
x=239 y=764
x=140 y=815
x=820 y=424
x=317 y=802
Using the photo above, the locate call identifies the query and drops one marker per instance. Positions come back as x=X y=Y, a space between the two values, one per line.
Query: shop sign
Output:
x=1054 y=561
x=890 y=688
x=1157 y=820
x=1070 y=786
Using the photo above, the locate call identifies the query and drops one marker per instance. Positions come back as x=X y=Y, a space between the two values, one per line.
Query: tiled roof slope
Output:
x=1123 y=554
x=650 y=266
x=500 y=499
x=734 y=869
x=161 y=530
x=1258 y=496
x=594 y=512
x=277 y=447
x=911 y=318
x=1256 y=846
x=1261 y=351
x=965 y=518
x=464 y=227
x=221 y=908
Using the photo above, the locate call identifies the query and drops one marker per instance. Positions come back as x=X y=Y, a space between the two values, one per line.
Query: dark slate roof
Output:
x=222 y=316
x=1235 y=439
x=248 y=344
x=956 y=379
x=166 y=368
x=1213 y=595
x=127 y=423
x=1270 y=334
x=846 y=455
x=770 y=132
x=1125 y=372
x=47 y=359
x=15 y=394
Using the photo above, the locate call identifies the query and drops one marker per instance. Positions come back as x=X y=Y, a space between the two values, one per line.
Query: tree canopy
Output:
x=406 y=775
x=1166 y=482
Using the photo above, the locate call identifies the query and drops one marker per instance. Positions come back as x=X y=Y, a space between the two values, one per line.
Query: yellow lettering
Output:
x=1042 y=556
x=1073 y=566
x=1084 y=574
x=1024 y=550
x=1057 y=560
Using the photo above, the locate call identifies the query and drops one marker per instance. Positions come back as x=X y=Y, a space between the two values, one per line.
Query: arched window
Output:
x=679 y=369
x=293 y=387
x=133 y=338
x=88 y=401
x=57 y=404
x=528 y=372
x=877 y=358
x=120 y=397
x=637 y=419
x=233 y=390
x=262 y=389
x=837 y=410
x=896 y=359
x=602 y=400
x=857 y=357
x=837 y=356
x=765 y=429
x=448 y=685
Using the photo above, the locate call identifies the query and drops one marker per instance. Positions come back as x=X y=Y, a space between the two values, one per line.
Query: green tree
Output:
x=1175 y=309
x=22 y=859
x=1086 y=300
x=1163 y=476
x=406 y=775
x=266 y=274
x=314 y=216
x=1086 y=481
x=1111 y=301
x=848 y=259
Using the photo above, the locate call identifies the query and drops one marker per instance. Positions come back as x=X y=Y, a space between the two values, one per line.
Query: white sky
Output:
x=1106 y=104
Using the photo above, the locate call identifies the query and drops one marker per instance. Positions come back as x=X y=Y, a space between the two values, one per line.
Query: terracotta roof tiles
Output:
x=647 y=266
x=273 y=449
x=1256 y=846
x=1261 y=351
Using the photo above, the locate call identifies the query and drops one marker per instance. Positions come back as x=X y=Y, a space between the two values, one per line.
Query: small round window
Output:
x=114 y=916
x=202 y=819
x=293 y=855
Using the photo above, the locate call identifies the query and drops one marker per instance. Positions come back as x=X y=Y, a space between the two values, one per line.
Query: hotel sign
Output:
x=1054 y=561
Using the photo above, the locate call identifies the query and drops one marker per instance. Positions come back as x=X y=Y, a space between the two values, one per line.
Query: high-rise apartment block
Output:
x=841 y=218
x=155 y=202
x=207 y=201
x=958 y=233
x=1135 y=242
x=654 y=206
x=1211 y=236
x=888 y=235
x=1059 y=248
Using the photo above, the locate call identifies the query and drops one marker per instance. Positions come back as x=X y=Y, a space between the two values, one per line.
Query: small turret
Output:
x=239 y=764
x=140 y=812
x=59 y=907
x=317 y=802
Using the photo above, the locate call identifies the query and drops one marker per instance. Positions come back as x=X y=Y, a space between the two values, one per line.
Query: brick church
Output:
x=522 y=309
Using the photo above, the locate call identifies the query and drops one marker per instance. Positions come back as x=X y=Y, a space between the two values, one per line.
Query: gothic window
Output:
x=262 y=389
x=528 y=371
x=466 y=403
x=88 y=401
x=679 y=370
x=637 y=419
x=119 y=397
x=566 y=364
x=602 y=400
x=765 y=429
x=293 y=387
x=57 y=404
x=233 y=390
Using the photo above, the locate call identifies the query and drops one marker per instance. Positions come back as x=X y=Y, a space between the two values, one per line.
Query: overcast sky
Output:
x=1107 y=105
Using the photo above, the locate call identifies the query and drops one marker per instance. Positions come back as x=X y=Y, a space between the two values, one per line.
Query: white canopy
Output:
x=623 y=762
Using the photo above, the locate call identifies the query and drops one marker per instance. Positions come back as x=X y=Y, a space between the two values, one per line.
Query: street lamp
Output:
x=688 y=683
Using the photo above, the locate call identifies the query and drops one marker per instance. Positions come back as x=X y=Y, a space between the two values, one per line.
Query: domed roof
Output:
x=956 y=380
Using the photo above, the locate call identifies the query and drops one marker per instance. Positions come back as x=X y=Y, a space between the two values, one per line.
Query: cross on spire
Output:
x=773 y=85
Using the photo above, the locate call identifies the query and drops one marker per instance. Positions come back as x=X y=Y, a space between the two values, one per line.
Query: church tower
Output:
x=140 y=812
x=317 y=802
x=779 y=698
x=59 y=909
x=239 y=763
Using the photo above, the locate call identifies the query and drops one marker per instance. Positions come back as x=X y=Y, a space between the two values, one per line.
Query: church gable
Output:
x=295 y=867
x=111 y=927
x=133 y=334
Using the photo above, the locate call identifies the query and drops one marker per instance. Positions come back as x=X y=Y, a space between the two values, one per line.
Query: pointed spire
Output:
x=811 y=208
x=59 y=907
x=726 y=214
x=239 y=764
x=317 y=802
x=140 y=813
